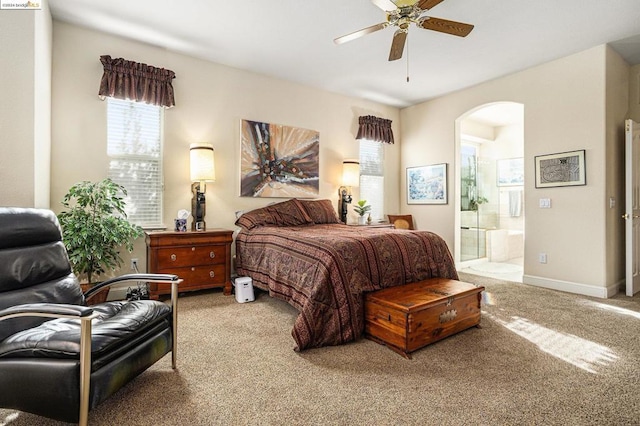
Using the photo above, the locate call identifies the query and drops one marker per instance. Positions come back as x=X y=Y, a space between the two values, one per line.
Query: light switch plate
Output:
x=545 y=203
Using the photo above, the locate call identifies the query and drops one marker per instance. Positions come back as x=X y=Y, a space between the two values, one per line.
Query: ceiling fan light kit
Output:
x=401 y=14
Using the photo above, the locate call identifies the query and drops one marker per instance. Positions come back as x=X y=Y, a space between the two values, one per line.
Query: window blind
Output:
x=134 y=148
x=372 y=176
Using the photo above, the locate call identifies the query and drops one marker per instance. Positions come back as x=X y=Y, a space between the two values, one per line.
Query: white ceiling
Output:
x=293 y=39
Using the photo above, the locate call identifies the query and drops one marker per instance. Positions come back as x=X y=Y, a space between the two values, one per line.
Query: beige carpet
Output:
x=541 y=358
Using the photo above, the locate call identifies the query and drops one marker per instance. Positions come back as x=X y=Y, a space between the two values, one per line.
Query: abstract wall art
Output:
x=278 y=161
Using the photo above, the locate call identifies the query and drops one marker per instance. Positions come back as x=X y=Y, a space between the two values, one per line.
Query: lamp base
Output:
x=344 y=199
x=198 y=208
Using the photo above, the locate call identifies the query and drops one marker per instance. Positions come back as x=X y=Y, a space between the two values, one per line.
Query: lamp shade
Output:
x=203 y=167
x=350 y=173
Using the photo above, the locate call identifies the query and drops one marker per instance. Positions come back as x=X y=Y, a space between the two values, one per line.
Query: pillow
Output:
x=253 y=218
x=286 y=213
x=320 y=211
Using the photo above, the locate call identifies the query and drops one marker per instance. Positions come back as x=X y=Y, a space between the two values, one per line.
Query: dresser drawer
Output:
x=195 y=277
x=176 y=257
x=198 y=275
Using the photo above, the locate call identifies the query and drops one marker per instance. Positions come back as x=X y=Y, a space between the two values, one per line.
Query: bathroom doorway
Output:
x=490 y=187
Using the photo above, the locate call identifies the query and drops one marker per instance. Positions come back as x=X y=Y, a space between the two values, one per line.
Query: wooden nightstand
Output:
x=202 y=259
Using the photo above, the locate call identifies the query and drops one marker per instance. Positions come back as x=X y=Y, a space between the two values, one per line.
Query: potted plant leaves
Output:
x=475 y=202
x=95 y=226
x=362 y=208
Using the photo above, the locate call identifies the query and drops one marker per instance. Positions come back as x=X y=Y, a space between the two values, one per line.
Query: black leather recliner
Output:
x=58 y=357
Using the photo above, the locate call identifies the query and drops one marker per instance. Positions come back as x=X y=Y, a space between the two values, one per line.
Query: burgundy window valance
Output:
x=130 y=80
x=375 y=129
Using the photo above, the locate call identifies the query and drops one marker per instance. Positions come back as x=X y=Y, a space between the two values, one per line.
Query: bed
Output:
x=300 y=252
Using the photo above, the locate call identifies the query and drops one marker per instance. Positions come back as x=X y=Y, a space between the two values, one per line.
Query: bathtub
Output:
x=504 y=245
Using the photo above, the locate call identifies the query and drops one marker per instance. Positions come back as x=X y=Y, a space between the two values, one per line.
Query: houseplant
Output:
x=95 y=226
x=475 y=202
x=362 y=209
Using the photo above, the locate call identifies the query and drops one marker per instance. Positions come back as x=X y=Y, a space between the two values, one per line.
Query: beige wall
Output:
x=42 y=107
x=211 y=100
x=564 y=109
x=634 y=93
x=25 y=60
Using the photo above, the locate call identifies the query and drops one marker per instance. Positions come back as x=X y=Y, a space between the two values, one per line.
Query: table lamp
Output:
x=350 y=178
x=202 y=170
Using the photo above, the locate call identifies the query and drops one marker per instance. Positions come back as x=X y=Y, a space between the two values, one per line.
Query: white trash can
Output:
x=244 y=289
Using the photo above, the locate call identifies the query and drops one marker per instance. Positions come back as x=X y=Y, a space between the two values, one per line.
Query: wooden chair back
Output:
x=403 y=221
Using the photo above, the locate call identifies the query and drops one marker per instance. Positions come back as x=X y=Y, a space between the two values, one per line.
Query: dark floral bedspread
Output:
x=323 y=270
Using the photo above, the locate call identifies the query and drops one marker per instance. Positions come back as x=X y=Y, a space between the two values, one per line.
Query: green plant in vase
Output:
x=474 y=203
x=362 y=208
x=94 y=226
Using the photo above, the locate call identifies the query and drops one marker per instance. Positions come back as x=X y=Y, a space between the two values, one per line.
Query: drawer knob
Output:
x=193 y=249
x=193 y=268
x=212 y=254
x=173 y=257
x=212 y=274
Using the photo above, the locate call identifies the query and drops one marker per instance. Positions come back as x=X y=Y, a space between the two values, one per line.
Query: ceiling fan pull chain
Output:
x=407 y=59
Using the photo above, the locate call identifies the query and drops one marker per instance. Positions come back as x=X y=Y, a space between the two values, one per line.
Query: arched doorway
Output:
x=489 y=183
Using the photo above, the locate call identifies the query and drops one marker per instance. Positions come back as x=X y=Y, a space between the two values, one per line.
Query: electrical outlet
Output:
x=134 y=264
x=542 y=257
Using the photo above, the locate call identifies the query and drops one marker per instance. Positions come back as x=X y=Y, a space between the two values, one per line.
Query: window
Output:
x=372 y=176
x=134 y=148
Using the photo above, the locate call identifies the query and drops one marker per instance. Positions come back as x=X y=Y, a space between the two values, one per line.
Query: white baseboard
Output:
x=571 y=287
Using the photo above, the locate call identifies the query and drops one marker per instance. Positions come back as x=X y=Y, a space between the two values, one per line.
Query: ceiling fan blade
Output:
x=360 y=33
x=397 y=46
x=445 y=26
x=386 y=5
x=428 y=4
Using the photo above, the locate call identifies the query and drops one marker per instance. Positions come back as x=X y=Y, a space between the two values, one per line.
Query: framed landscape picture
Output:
x=562 y=169
x=510 y=171
x=427 y=184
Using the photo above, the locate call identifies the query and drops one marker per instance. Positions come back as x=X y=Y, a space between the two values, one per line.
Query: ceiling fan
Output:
x=400 y=14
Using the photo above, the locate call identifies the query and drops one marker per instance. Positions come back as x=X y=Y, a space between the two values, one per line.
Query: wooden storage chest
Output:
x=409 y=317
